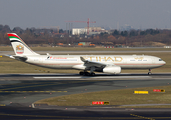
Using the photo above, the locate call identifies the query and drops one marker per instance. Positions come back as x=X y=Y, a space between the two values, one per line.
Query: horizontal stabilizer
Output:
x=20 y=58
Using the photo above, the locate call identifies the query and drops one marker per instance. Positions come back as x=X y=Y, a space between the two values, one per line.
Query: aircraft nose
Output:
x=164 y=62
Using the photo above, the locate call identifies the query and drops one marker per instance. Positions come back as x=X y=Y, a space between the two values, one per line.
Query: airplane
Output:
x=87 y=64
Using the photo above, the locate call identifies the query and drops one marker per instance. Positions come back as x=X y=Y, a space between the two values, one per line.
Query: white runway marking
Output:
x=98 y=77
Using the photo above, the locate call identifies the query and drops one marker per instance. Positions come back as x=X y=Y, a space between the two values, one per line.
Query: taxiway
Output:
x=20 y=91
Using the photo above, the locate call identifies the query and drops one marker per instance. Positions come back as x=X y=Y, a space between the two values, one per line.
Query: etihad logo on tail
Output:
x=19 y=49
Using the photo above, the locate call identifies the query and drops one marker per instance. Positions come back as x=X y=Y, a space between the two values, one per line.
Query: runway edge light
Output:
x=140 y=92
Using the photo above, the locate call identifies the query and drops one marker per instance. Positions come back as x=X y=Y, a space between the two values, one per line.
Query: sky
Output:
x=140 y=14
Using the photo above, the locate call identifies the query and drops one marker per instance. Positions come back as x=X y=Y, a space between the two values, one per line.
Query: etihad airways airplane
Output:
x=87 y=64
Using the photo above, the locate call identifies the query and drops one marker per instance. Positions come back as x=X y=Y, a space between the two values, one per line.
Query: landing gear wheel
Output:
x=81 y=73
x=149 y=73
x=92 y=74
x=86 y=73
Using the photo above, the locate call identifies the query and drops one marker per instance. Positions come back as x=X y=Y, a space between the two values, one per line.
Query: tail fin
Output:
x=19 y=46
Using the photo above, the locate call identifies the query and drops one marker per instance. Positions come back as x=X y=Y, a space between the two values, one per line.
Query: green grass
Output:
x=115 y=97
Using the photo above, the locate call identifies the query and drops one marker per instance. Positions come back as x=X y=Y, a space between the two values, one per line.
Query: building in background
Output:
x=78 y=31
x=92 y=30
x=126 y=27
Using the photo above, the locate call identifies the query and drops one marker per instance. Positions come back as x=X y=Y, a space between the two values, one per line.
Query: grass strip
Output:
x=115 y=97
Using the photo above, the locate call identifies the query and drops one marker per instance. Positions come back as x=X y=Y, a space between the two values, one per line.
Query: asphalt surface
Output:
x=18 y=92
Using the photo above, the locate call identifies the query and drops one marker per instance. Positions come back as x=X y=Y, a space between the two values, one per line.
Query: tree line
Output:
x=135 y=38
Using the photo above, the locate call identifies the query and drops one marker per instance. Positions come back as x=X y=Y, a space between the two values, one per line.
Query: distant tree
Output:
x=6 y=29
x=124 y=33
x=1 y=27
x=143 y=33
x=18 y=30
x=115 y=33
x=96 y=37
x=61 y=31
x=133 y=33
x=103 y=33
x=152 y=31
x=111 y=37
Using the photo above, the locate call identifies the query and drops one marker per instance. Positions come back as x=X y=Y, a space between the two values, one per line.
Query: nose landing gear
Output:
x=149 y=73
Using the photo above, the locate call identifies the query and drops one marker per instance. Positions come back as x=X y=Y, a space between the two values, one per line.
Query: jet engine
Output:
x=112 y=69
x=79 y=67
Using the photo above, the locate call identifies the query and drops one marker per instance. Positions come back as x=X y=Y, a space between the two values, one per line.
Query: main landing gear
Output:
x=87 y=73
x=149 y=72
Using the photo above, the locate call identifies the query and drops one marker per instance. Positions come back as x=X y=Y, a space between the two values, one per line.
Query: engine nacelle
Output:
x=112 y=69
x=79 y=67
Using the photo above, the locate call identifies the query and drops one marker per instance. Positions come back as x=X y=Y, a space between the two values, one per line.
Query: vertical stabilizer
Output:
x=19 y=46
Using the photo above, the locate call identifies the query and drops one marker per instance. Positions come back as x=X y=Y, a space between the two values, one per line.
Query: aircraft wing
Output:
x=95 y=64
x=100 y=67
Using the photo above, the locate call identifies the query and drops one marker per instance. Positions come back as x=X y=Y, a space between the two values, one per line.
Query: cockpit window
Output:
x=160 y=60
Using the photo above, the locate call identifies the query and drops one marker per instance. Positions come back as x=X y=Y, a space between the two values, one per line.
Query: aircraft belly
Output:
x=60 y=62
x=138 y=66
x=54 y=65
x=58 y=66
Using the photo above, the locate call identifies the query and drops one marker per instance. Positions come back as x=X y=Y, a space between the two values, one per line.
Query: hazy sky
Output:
x=107 y=13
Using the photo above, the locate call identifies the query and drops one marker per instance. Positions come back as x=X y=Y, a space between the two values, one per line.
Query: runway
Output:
x=100 y=76
x=20 y=91
x=14 y=88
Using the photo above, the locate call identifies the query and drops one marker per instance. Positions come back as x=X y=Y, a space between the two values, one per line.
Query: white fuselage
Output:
x=69 y=61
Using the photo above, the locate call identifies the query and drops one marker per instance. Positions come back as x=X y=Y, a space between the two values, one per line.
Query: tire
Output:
x=92 y=74
x=81 y=73
x=149 y=73
x=87 y=73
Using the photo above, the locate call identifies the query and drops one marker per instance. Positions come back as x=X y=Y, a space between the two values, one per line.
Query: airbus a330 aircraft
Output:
x=111 y=64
